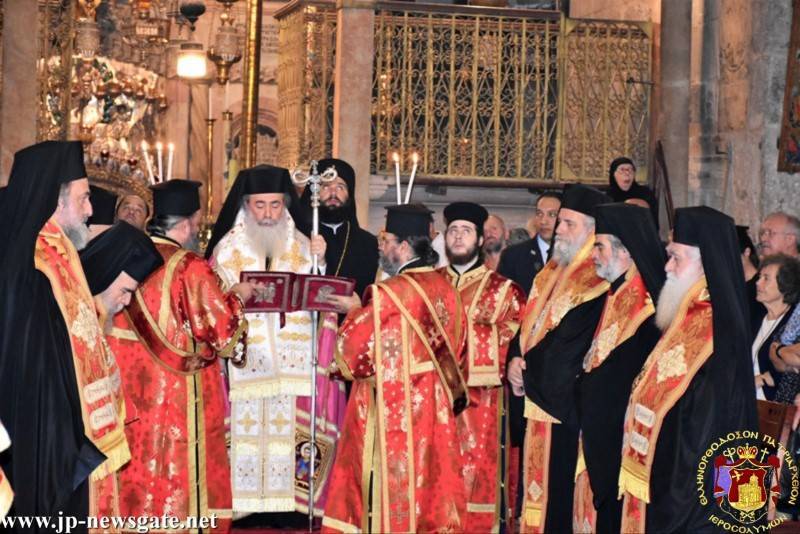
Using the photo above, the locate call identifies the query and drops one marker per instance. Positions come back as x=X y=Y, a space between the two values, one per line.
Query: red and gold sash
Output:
x=445 y=358
x=624 y=312
x=486 y=296
x=682 y=350
x=556 y=291
x=102 y=405
x=151 y=330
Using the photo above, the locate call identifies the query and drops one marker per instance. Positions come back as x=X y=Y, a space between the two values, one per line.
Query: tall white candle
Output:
x=396 y=158
x=415 y=161
x=149 y=165
x=171 y=153
x=160 y=154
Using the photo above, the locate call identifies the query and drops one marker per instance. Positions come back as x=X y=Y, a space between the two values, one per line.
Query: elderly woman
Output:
x=778 y=290
x=622 y=186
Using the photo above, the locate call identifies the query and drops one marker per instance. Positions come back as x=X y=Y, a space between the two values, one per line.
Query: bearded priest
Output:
x=492 y=308
x=629 y=255
x=270 y=395
x=697 y=384
x=560 y=318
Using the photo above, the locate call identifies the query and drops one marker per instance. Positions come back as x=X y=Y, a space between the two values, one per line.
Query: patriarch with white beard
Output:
x=255 y=231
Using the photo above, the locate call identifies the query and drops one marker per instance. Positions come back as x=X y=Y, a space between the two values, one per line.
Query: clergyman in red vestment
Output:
x=492 y=307
x=168 y=343
x=399 y=465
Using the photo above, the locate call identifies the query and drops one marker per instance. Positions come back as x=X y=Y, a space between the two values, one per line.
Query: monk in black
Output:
x=629 y=255
x=352 y=251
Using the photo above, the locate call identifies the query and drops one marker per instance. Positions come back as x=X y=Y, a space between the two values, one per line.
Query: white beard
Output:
x=266 y=241
x=564 y=251
x=78 y=234
x=672 y=295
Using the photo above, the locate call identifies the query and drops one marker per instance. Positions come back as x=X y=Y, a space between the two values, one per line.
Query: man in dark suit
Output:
x=520 y=263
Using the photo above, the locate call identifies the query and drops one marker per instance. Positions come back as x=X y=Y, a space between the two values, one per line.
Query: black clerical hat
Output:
x=262 y=179
x=714 y=233
x=104 y=204
x=633 y=225
x=252 y=181
x=466 y=211
x=406 y=220
x=582 y=198
x=176 y=197
x=121 y=248
x=343 y=169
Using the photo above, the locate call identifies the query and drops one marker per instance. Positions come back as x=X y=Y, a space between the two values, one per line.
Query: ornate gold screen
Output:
x=605 y=110
x=493 y=95
x=475 y=96
x=307 y=41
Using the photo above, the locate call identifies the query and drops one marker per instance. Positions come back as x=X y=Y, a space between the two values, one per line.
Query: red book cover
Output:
x=288 y=292
x=276 y=296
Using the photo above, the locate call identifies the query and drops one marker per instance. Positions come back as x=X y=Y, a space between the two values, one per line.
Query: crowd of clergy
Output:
x=570 y=382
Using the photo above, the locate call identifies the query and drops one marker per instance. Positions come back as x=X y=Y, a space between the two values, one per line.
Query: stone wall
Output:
x=738 y=76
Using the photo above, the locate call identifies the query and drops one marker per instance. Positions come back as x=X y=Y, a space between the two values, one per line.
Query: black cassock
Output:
x=602 y=400
x=50 y=458
x=360 y=249
x=551 y=371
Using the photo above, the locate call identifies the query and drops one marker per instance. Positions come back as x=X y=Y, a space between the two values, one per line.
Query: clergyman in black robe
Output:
x=563 y=311
x=50 y=458
x=628 y=253
x=352 y=251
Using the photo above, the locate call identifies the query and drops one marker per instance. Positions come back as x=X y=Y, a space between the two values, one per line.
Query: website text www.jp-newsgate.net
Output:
x=64 y=524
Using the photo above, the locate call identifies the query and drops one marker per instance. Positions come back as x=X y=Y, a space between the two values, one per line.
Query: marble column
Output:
x=20 y=89
x=673 y=108
x=353 y=92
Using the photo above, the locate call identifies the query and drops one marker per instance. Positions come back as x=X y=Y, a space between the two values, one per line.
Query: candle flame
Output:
x=145 y=146
x=159 y=146
x=415 y=158
x=171 y=146
x=395 y=157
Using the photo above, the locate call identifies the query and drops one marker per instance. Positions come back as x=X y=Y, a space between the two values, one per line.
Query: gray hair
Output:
x=616 y=244
x=588 y=221
x=161 y=224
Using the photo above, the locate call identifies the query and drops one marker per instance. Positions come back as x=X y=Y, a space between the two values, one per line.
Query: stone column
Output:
x=673 y=109
x=353 y=92
x=20 y=89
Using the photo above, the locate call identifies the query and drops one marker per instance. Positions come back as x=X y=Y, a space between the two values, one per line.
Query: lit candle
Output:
x=149 y=165
x=171 y=148
x=160 y=153
x=414 y=160
x=396 y=158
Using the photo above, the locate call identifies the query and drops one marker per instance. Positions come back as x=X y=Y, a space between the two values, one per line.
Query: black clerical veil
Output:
x=252 y=181
x=50 y=458
x=121 y=248
x=104 y=204
x=346 y=172
x=715 y=234
x=633 y=225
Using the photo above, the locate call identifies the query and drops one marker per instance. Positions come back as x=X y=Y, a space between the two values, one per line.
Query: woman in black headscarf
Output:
x=622 y=185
